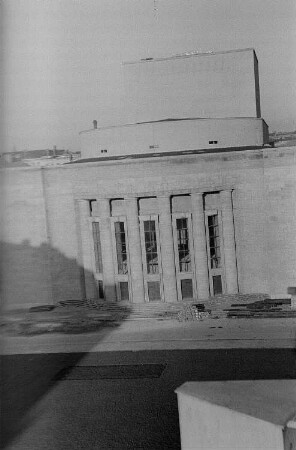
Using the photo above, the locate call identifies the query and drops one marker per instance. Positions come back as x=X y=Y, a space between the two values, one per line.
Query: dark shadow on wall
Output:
x=26 y=378
x=38 y=275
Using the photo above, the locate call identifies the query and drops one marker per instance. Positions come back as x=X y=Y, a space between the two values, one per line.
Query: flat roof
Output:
x=273 y=401
x=189 y=55
x=169 y=119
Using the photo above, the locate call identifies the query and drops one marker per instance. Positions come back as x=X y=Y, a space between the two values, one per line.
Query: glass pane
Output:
x=212 y=252
x=151 y=246
x=214 y=241
x=124 y=290
x=215 y=263
x=149 y=225
x=121 y=250
x=97 y=247
x=217 y=284
x=215 y=231
x=183 y=245
x=154 y=291
x=152 y=262
x=186 y=289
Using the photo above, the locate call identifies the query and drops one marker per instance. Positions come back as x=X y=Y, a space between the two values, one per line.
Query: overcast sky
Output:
x=62 y=58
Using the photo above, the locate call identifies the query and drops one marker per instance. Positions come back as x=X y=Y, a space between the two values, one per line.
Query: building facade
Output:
x=171 y=209
x=160 y=241
x=145 y=229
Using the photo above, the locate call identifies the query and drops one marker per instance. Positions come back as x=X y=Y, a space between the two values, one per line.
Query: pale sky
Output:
x=62 y=58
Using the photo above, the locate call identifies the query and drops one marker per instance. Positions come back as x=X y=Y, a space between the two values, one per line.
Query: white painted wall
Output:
x=209 y=427
x=237 y=415
x=172 y=136
x=222 y=84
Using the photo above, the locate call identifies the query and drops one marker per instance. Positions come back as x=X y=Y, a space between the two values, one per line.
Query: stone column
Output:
x=85 y=248
x=107 y=251
x=135 y=253
x=167 y=249
x=200 y=246
x=229 y=242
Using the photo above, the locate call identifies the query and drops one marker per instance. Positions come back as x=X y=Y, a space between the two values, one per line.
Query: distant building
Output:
x=184 y=201
x=38 y=158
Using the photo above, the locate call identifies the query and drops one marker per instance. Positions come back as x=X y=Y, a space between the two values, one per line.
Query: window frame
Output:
x=179 y=274
x=153 y=277
x=120 y=278
x=220 y=270
x=98 y=276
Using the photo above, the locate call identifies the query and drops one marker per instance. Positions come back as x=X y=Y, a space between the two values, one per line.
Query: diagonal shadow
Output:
x=25 y=379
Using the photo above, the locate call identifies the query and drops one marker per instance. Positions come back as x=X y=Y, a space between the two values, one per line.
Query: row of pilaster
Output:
x=200 y=245
x=167 y=247
x=107 y=251
x=230 y=266
x=135 y=252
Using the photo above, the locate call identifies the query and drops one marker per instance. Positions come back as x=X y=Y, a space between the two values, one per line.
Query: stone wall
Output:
x=41 y=260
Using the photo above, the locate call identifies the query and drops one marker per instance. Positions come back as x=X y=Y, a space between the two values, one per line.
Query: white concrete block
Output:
x=238 y=415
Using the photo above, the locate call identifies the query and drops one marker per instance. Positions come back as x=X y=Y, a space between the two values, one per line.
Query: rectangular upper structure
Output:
x=205 y=85
x=174 y=136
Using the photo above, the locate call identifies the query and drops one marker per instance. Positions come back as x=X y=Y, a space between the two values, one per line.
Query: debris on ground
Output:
x=193 y=312
x=42 y=308
x=91 y=315
x=265 y=309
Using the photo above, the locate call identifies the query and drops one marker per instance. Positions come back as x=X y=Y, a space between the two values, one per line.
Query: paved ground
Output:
x=166 y=335
x=102 y=401
x=114 y=388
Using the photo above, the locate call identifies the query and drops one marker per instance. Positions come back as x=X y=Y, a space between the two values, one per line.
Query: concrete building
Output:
x=206 y=85
x=194 y=101
x=163 y=210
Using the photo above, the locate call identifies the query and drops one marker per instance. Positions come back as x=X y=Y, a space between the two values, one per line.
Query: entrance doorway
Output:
x=184 y=259
x=151 y=258
x=121 y=258
x=215 y=252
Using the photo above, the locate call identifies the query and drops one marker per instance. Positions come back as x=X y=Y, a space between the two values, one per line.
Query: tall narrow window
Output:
x=214 y=242
x=97 y=247
x=121 y=249
x=183 y=245
x=151 y=247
